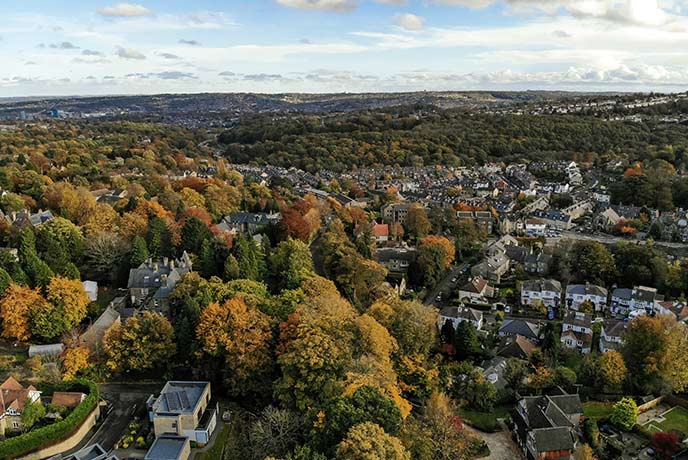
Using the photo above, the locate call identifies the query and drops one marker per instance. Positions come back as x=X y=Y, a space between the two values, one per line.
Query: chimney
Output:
x=171 y=264
x=155 y=267
x=165 y=260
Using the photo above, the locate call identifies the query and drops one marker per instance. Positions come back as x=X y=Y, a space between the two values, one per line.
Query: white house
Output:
x=535 y=227
x=576 y=294
x=545 y=292
x=576 y=331
x=638 y=298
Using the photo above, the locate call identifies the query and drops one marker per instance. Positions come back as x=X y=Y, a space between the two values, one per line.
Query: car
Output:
x=439 y=297
x=599 y=319
x=650 y=452
x=507 y=309
x=453 y=280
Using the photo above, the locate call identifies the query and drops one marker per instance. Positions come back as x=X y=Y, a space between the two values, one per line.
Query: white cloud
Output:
x=409 y=21
x=326 y=5
x=124 y=10
x=392 y=2
x=129 y=53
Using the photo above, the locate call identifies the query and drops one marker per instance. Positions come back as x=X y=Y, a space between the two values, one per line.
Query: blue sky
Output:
x=107 y=47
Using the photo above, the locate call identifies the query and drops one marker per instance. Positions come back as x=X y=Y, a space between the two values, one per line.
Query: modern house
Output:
x=457 y=315
x=611 y=335
x=183 y=410
x=576 y=331
x=546 y=427
x=576 y=294
x=13 y=398
x=544 y=292
x=152 y=282
x=169 y=448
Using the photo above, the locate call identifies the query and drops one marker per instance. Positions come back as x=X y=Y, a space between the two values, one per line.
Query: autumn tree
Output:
x=294 y=225
x=74 y=360
x=654 y=353
x=584 y=452
x=435 y=255
x=613 y=370
x=105 y=257
x=16 y=308
x=417 y=223
x=240 y=336
x=69 y=298
x=665 y=445
x=141 y=343
x=369 y=441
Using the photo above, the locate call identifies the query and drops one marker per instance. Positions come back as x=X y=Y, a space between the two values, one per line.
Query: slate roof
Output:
x=521 y=328
x=553 y=439
x=578 y=319
x=461 y=312
x=519 y=348
x=586 y=289
x=623 y=293
x=542 y=285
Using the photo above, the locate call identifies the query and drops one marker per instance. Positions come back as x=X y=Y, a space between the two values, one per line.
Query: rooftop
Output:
x=179 y=397
x=167 y=448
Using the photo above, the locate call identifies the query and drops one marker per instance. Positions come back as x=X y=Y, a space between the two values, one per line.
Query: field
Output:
x=675 y=418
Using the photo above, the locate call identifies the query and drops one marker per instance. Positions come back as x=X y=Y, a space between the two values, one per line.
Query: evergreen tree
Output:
x=159 y=238
x=208 y=260
x=139 y=251
x=466 y=344
x=194 y=234
x=231 y=269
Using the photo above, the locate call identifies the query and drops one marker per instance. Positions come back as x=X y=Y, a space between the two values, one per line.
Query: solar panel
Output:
x=184 y=400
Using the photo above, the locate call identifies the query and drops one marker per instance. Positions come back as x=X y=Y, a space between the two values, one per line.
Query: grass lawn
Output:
x=596 y=409
x=484 y=421
x=675 y=419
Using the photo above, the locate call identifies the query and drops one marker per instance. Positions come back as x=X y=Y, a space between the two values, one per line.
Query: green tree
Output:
x=417 y=223
x=250 y=258
x=139 y=252
x=231 y=269
x=291 y=263
x=625 y=414
x=159 y=238
x=467 y=345
x=33 y=411
x=194 y=233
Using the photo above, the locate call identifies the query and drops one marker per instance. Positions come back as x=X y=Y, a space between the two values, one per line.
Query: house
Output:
x=13 y=398
x=91 y=288
x=153 y=282
x=169 y=448
x=94 y=335
x=535 y=227
x=611 y=335
x=513 y=328
x=638 y=298
x=576 y=331
x=395 y=212
x=183 y=410
x=546 y=427
x=381 y=233
x=92 y=452
x=607 y=220
x=492 y=267
x=457 y=315
x=537 y=263
x=24 y=219
x=247 y=223
x=476 y=290
x=493 y=371
x=553 y=218
x=396 y=260
x=68 y=399
x=519 y=347
x=541 y=292
x=576 y=294
x=482 y=219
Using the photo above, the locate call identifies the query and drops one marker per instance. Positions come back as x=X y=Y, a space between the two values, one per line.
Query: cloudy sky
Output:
x=84 y=47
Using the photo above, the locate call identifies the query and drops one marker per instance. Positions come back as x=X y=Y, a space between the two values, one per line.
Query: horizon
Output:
x=107 y=48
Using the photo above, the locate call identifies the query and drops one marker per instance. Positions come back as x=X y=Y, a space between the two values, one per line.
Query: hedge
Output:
x=51 y=434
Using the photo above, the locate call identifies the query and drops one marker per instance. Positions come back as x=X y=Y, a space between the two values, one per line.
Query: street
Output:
x=445 y=286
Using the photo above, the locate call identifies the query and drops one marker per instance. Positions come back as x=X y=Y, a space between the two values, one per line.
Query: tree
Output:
x=69 y=298
x=239 y=335
x=417 y=223
x=564 y=377
x=613 y=370
x=294 y=225
x=33 y=411
x=194 y=233
x=5 y=280
x=104 y=257
x=291 y=263
x=16 y=308
x=467 y=345
x=368 y=441
x=249 y=257
x=435 y=255
x=159 y=238
x=584 y=452
x=231 y=269
x=139 y=252
x=74 y=359
x=514 y=372
x=654 y=353
x=665 y=445
x=591 y=261
x=275 y=433
x=625 y=414
x=141 y=343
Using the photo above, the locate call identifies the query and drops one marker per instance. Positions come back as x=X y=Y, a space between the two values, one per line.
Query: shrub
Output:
x=55 y=432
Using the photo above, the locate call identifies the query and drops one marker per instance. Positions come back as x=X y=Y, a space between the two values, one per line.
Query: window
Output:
x=16 y=425
x=174 y=425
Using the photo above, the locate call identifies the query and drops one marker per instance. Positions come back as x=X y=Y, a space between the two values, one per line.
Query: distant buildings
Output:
x=395 y=212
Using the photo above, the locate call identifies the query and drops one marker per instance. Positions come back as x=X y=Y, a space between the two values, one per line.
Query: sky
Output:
x=87 y=47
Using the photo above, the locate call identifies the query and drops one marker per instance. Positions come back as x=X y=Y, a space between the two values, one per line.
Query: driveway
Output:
x=502 y=447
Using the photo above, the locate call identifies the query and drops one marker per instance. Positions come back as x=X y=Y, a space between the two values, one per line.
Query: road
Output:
x=610 y=239
x=445 y=286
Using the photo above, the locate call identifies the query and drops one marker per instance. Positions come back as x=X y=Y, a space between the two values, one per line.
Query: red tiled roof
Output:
x=381 y=230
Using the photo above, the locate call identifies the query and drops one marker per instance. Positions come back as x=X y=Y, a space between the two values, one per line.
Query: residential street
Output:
x=445 y=286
